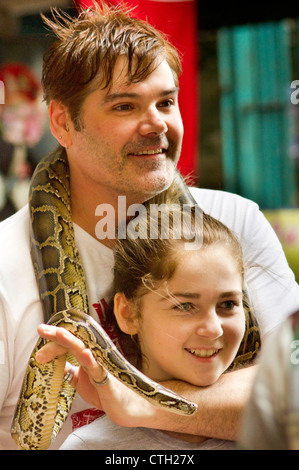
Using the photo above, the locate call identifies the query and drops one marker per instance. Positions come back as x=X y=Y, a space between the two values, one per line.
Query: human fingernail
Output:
x=40 y=357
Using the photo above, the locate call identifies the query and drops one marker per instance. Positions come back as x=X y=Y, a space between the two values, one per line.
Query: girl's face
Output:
x=191 y=327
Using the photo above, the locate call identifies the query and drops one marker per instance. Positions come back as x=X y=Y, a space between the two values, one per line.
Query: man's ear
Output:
x=125 y=314
x=60 y=123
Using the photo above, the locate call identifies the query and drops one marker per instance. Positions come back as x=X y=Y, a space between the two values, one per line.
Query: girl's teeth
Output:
x=203 y=352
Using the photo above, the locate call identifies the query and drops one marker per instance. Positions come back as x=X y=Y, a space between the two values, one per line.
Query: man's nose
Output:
x=152 y=123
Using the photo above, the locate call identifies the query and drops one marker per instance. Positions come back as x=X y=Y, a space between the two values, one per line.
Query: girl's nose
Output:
x=209 y=325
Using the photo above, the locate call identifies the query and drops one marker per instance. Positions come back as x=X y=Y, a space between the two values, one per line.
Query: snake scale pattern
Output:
x=45 y=399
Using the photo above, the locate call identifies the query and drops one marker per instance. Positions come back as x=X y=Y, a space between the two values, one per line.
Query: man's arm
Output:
x=220 y=406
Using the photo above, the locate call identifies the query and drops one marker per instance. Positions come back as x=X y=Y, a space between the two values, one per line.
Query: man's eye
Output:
x=123 y=107
x=166 y=103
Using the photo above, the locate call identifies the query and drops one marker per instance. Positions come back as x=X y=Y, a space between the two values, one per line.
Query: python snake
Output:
x=45 y=399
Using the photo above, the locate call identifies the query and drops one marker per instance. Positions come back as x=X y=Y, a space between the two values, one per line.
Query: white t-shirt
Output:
x=271 y=283
x=103 y=434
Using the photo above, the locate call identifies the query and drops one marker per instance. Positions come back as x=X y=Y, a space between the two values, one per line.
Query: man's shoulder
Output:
x=18 y=287
x=15 y=224
x=211 y=198
x=14 y=234
x=233 y=210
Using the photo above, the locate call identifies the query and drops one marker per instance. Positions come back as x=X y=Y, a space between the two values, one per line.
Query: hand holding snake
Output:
x=61 y=342
x=122 y=405
x=45 y=400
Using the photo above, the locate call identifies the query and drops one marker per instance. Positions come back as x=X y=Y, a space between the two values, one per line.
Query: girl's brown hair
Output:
x=155 y=259
x=141 y=264
x=84 y=54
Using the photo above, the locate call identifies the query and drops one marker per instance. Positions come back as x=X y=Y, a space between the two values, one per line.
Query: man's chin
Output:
x=157 y=192
x=154 y=182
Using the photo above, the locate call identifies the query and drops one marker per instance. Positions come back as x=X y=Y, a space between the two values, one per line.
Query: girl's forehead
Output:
x=206 y=262
x=206 y=253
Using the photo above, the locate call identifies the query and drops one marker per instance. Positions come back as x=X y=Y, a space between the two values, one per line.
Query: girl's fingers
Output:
x=71 y=374
x=94 y=369
x=48 y=352
x=61 y=341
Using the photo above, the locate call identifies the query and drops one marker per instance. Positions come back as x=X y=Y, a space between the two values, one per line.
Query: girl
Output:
x=182 y=314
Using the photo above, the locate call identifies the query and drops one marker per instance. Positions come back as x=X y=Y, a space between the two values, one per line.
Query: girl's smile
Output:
x=191 y=327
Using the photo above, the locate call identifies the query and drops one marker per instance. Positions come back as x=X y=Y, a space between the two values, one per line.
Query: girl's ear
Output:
x=125 y=314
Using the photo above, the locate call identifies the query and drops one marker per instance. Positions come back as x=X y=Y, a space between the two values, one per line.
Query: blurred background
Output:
x=238 y=100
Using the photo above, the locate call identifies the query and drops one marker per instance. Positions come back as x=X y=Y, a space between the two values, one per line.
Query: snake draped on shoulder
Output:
x=61 y=284
x=45 y=399
x=61 y=281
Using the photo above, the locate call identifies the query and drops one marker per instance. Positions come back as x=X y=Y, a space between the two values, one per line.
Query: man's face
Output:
x=131 y=136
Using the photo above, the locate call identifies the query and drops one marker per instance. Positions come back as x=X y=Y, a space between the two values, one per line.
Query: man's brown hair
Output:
x=84 y=54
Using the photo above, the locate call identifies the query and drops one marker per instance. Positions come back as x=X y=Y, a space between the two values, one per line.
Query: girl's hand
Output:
x=122 y=405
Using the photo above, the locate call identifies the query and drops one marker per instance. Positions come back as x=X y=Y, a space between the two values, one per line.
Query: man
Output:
x=111 y=83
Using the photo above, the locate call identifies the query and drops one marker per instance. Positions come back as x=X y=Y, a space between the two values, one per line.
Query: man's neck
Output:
x=100 y=213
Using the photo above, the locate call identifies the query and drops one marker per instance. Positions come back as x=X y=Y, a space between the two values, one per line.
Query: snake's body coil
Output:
x=45 y=400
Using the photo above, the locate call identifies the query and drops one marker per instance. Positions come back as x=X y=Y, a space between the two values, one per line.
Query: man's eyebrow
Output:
x=120 y=95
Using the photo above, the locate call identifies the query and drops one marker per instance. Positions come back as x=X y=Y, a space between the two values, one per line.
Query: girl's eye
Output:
x=228 y=304
x=184 y=306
